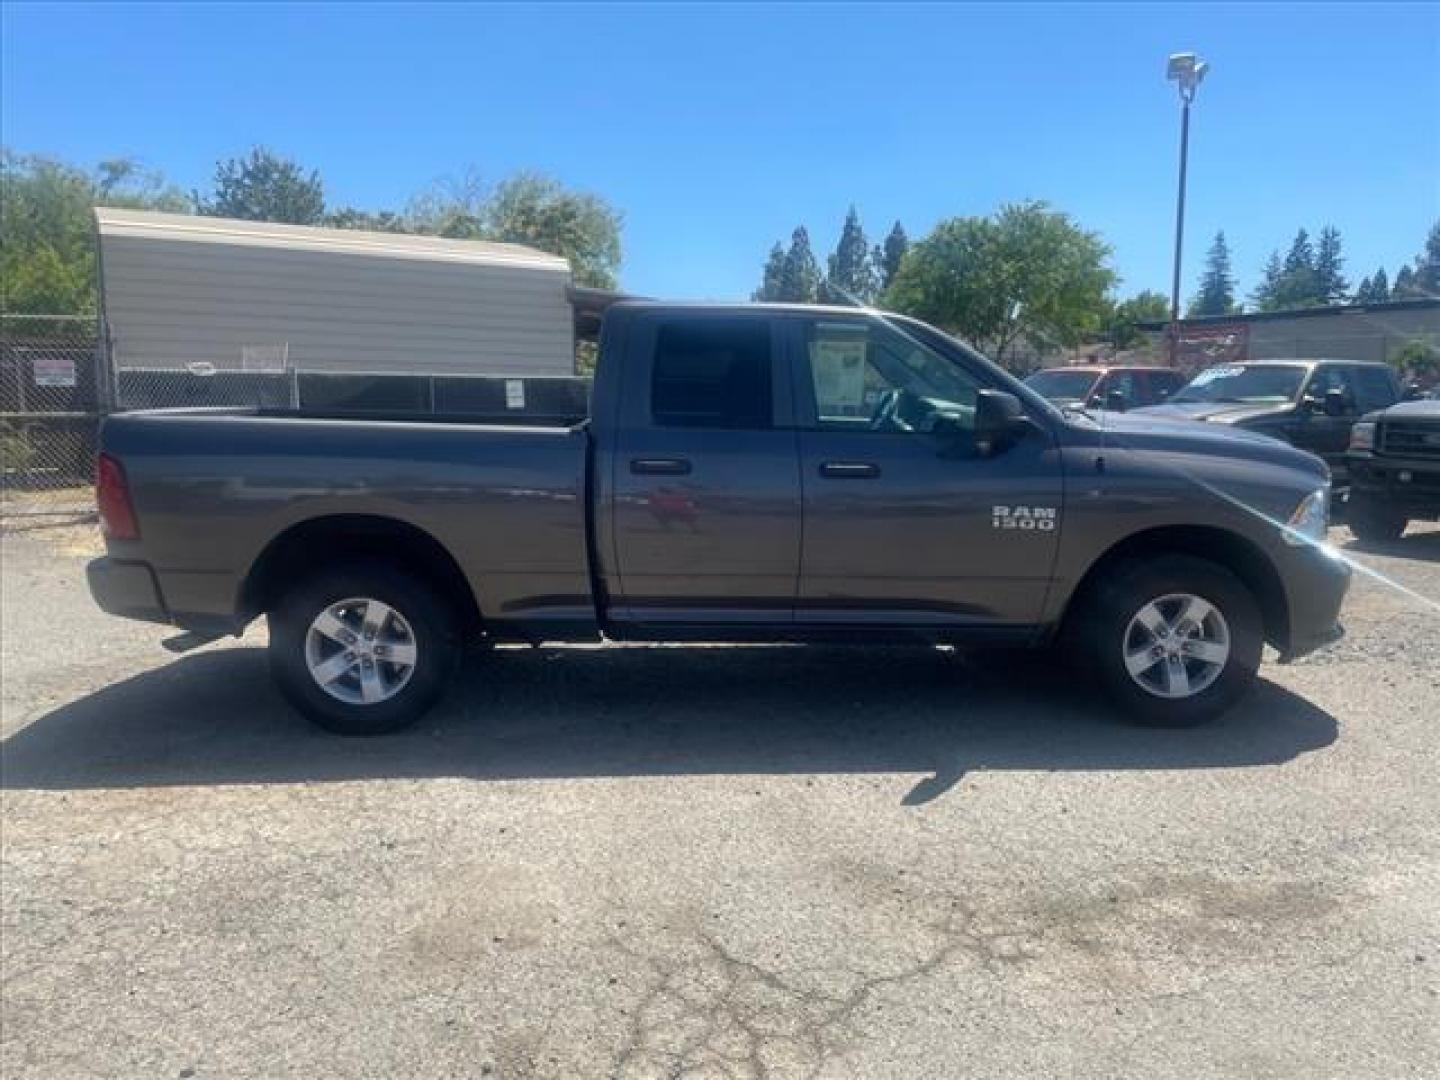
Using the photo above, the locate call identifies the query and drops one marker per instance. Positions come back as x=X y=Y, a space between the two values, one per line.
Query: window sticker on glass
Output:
x=1214 y=373
x=839 y=372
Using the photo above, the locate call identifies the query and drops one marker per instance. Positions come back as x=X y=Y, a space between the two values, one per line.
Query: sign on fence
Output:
x=51 y=368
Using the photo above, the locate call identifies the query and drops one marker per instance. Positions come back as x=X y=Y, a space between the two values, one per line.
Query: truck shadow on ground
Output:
x=214 y=718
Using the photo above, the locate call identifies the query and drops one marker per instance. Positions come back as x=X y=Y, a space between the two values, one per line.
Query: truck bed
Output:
x=213 y=489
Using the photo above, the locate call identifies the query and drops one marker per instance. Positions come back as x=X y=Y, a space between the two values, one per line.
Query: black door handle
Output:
x=849 y=470
x=660 y=466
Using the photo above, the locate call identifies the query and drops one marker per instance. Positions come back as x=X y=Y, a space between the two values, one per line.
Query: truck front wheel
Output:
x=1176 y=640
x=364 y=648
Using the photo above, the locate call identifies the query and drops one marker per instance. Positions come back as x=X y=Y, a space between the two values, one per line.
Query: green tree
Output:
x=1379 y=287
x=1028 y=272
x=265 y=187
x=47 y=229
x=528 y=208
x=852 y=273
x=1405 y=287
x=800 y=273
x=1373 y=290
x=1330 y=284
x=1416 y=357
x=887 y=257
x=1299 y=280
x=1271 y=278
x=348 y=217
x=533 y=209
x=1123 y=319
x=773 y=274
x=1217 y=284
x=1427 y=265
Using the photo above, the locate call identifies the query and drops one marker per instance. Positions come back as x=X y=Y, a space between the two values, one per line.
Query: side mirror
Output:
x=999 y=419
x=1115 y=400
x=1335 y=402
x=1413 y=393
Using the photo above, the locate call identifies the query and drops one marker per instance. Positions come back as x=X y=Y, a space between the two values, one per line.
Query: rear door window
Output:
x=713 y=373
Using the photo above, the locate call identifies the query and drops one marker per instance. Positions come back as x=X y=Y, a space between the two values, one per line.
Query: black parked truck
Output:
x=1394 y=470
x=746 y=472
x=1311 y=404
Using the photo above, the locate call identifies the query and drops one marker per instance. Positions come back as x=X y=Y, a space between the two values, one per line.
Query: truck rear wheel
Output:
x=1175 y=640
x=364 y=648
x=1373 y=521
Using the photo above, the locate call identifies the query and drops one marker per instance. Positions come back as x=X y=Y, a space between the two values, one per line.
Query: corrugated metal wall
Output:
x=174 y=302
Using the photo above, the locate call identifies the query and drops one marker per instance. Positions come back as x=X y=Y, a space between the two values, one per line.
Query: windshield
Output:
x=1060 y=384
x=1244 y=383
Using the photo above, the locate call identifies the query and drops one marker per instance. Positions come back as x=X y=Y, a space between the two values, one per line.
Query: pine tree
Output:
x=774 y=271
x=1379 y=287
x=1427 y=265
x=1266 y=296
x=1330 y=283
x=887 y=257
x=1301 y=255
x=1363 y=291
x=1217 y=284
x=800 y=273
x=852 y=274
x=1404 y=285
x=1293 y=283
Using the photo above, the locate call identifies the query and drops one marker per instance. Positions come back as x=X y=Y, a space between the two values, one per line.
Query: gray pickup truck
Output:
x=747 y=472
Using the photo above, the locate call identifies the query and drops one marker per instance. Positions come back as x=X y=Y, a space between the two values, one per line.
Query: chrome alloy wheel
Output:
x=1176 y=646
x=360 y=651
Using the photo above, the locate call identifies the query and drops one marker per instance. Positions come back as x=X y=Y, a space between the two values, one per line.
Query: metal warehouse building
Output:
x=183 y=292
x=1343 y=332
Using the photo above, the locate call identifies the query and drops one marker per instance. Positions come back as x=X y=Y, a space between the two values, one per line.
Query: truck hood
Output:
x=1217 y=412
x=1152 y=430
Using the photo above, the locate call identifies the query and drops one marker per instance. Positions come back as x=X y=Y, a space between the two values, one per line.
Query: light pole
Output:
x=1185 y=70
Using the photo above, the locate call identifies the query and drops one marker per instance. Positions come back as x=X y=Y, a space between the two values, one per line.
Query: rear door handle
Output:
x=660 y=466
x=849 y=470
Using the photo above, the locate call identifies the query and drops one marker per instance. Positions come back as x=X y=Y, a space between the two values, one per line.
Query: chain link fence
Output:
x=51 y=394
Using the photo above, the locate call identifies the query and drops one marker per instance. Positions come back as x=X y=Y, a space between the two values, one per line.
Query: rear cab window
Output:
x=713 y=373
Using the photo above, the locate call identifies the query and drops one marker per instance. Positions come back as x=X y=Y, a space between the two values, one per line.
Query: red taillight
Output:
x=112 y=497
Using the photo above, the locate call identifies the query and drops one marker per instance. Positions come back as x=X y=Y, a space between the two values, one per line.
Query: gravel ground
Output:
x=743 y=862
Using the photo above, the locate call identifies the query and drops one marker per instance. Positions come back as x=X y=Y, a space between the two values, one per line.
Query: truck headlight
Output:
x=1308 y=523
x=1362 y=436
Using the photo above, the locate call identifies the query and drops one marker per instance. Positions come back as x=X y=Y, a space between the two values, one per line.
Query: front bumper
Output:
x=1405 y=483
x=1315 y=584
x=126 y=588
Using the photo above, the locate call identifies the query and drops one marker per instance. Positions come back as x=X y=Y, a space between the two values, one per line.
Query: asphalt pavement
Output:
x=715 y=862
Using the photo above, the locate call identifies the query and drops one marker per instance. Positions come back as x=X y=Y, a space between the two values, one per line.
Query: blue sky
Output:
x=717 y=129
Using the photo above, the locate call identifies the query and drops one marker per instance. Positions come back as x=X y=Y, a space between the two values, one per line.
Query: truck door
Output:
x=907 y=523
x=705 y=477
x=1315 y=429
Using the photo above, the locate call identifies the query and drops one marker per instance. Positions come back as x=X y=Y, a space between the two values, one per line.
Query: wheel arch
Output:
x=1241 y=556
x=315 y=542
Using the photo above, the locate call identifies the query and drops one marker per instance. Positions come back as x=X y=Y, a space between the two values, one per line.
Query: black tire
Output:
x=1101 y=635
x=1374 y=522
x=431 y=623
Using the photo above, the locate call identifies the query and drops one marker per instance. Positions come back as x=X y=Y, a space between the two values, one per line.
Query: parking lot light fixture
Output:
x=1186 y=71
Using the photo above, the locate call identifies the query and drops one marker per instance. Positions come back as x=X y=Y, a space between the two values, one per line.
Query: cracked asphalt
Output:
x=747 y=862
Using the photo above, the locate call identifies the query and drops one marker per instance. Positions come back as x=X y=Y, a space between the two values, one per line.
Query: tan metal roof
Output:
x=146 y=224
